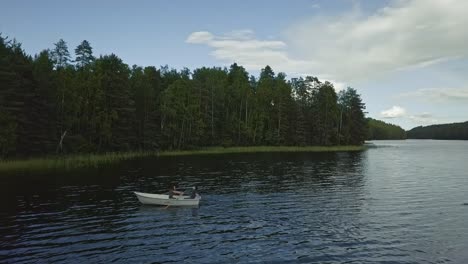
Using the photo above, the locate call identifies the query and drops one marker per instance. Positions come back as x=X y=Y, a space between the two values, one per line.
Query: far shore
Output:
x=96 y=160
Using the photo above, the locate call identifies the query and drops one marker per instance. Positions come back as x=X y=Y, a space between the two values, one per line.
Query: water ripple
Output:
x=382 y=205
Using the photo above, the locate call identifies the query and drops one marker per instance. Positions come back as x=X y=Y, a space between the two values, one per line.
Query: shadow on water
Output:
x=251 y=172
x=174 y=210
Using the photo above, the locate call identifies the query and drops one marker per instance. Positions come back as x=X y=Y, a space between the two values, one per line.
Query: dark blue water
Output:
x=406 y=202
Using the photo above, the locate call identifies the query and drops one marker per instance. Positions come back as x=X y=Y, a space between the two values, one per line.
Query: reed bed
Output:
x=97 y=160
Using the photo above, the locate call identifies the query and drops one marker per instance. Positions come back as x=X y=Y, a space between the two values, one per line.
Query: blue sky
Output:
x=408 y=58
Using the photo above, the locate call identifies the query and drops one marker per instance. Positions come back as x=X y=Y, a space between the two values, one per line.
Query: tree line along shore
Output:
x=57 y=104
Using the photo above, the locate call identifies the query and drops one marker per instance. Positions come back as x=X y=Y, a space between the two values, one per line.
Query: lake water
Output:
x=402 y=202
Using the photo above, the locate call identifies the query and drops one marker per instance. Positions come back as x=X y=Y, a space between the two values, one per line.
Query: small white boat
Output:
x=164 y=199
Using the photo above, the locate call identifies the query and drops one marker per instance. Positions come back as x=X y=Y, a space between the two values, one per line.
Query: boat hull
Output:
x=163 y=199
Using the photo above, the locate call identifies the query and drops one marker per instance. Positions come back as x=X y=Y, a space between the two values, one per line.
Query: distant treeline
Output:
x=51 y=103
x=444 y=131
x=381 y=130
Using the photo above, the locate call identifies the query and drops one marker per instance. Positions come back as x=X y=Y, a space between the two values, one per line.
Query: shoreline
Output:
x=261 y=149
x=97 y=160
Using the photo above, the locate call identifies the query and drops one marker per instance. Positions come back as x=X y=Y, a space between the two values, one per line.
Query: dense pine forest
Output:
x=379 y=130
x=54 y=103
x=443 y=131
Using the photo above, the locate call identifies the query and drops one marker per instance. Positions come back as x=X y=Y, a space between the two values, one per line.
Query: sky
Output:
x=407 y=58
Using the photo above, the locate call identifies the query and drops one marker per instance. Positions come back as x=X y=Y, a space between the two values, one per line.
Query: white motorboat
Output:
x=166 y=199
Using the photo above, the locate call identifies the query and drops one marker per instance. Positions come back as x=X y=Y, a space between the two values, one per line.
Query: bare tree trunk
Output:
x=246 y=103
x=190 y=131
x=60 y=145
x=212 y=116
x=255 y=132
x=326 y=125
x=279 y=118
x=339 y=129
x=239 y=126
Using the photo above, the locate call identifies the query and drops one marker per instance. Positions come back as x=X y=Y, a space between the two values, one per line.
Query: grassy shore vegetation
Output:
x=97 y=160
x=67 y=162
x=260 y=149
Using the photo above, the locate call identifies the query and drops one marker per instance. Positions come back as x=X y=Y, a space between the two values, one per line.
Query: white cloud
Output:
x=424 y=118
x=353 y=45
x=200 y=37
x=338 y=85
x=410 y=33
x=242 y=47
x=394 y=112
x=440 y=95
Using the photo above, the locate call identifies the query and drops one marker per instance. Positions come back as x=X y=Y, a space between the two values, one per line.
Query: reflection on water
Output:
x=385 y=204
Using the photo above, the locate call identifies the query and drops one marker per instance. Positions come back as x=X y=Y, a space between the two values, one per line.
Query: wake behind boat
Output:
x=167 y=199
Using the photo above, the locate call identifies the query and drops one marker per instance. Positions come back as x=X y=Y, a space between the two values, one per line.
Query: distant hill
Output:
x=443 y=131
x=381 y=130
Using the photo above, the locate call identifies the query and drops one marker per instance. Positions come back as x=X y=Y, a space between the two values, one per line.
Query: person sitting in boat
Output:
x=194 y=193
x=174 y=191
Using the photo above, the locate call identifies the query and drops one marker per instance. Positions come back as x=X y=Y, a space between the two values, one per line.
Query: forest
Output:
x=443 y=131
x=53 y=104
x=379 y=130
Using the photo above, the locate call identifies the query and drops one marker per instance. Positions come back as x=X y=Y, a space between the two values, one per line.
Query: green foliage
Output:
x=353 y=124
x=21 y=102
x=326 y=113
x=60 y=54
x=48 y=105
x=117 y=108
x=7 y=134
x=99 y=160
x=210 y=84
x=181 y=122
x=84 y=54
x=146 y=87
x=380 y=130
x=68 y=162
x=443 y=131
x=261 y=149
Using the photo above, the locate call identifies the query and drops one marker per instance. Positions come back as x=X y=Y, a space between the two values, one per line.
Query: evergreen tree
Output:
x=182 y=122
x=7 y=84
x=238 y=95
x=281 y=94
x=60 y=54
x=117 y=106
x=353 y=125
x=20 y=102
x=266 y=119
x=457 y=131
x=381 y=130
x=327 y=115
x=210 y=84
x=7 y=134
x=43 y=75
x=84 y=54
x=146 y=88
x=101 y=105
